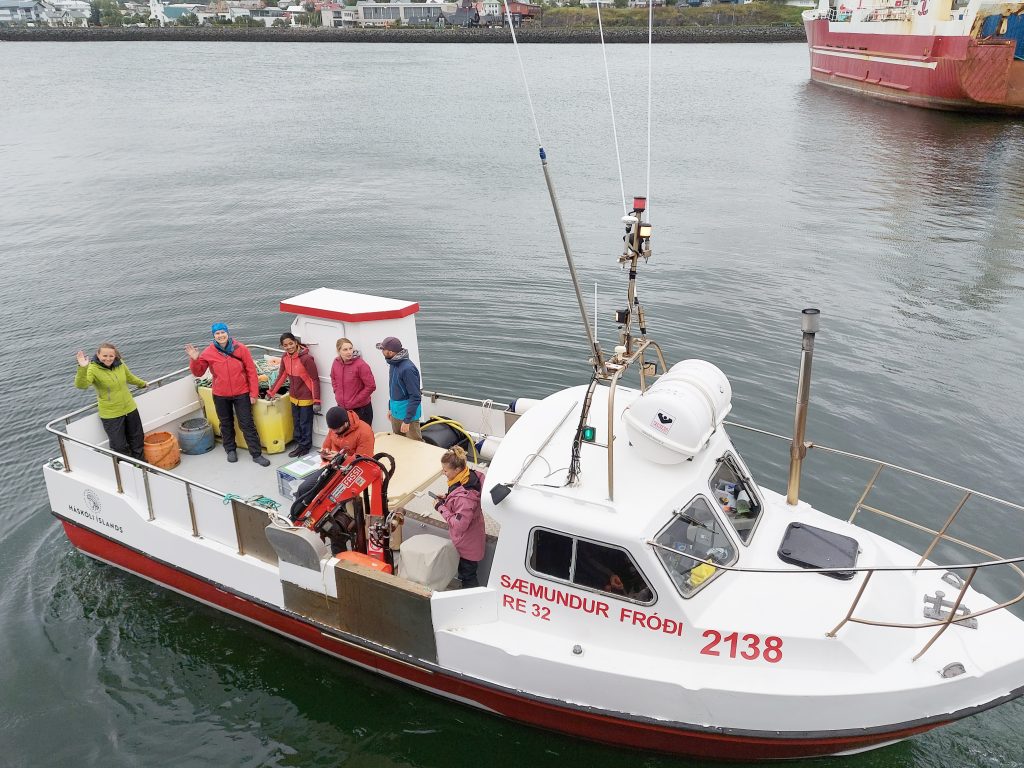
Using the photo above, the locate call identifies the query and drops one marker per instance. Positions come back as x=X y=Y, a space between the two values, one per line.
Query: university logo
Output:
x=92 y=500
x=662 y=422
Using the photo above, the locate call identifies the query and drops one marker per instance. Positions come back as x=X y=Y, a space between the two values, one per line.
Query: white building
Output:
x=334 y=15
x=373 y=14
x=55 y=13
x=67 y=13
x=20 y=11
x=268 y=15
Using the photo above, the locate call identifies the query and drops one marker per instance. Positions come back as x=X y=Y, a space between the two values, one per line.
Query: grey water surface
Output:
x=149 y=189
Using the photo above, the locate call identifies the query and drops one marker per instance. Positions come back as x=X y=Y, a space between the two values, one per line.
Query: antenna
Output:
x=637 y=246
x=598 y=357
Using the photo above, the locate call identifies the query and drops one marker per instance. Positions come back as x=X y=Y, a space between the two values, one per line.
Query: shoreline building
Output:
x=51 y=13
x=374 y=14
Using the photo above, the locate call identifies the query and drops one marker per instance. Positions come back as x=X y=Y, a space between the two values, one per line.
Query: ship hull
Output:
x=614 y=729
x=931 y=71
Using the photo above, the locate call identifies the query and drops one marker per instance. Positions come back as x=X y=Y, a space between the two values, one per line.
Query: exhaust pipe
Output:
x=798 y=449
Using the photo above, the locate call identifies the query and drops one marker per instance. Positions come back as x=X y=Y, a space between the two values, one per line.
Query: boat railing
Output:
x=59 y=427
x=948 y=612
x=243 y=510
x=483 y=417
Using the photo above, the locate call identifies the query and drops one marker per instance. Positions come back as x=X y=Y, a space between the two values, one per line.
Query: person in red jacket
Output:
x=461 y=509
x=346 y=432
x=235 y=389
x=298 y=368
x=352 y=381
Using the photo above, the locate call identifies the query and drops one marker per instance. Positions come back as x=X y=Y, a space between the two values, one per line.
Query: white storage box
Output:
x=429 y=560
x=290 y=476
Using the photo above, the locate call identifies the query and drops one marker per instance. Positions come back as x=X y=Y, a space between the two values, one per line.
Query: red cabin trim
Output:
x=351 y=317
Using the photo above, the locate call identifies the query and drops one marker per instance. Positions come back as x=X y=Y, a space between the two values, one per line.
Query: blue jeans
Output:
x=302 y=418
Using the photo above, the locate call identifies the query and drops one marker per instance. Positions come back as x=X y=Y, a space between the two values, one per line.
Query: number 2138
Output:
x=746 y=647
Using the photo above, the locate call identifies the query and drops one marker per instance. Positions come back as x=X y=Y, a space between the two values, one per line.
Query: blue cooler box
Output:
x=291 y=475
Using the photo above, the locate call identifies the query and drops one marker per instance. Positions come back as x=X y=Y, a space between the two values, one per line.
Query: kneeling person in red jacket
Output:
x=346 y=432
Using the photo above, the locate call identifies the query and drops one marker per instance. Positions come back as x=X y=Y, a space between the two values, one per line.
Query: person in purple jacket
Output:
x=461 y=509
x=352 y=381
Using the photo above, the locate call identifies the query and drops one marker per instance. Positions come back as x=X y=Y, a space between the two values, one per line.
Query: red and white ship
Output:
x=964 y=55
x=639 y=587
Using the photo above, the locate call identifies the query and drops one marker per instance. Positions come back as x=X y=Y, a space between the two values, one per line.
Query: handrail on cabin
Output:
x=940 y=535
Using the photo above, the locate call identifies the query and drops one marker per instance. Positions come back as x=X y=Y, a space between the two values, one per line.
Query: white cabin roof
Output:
x=644 y=491
x=350 y=307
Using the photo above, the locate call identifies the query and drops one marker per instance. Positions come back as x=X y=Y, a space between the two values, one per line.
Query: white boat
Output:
x=640 y=588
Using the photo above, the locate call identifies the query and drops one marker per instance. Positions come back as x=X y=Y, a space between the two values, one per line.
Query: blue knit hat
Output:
x=219 y=327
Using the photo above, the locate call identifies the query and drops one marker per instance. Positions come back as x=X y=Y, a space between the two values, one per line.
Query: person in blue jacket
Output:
x=404 y=389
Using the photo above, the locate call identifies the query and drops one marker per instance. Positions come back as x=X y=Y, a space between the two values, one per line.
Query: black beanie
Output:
x=337 y=418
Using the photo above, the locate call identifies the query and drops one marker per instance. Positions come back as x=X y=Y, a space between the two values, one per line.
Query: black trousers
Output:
x=227 y=409
x=467 y=573
x=126 y=434
x=365 y=413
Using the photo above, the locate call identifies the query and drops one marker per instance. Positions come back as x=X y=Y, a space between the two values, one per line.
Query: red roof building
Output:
x=525 y=10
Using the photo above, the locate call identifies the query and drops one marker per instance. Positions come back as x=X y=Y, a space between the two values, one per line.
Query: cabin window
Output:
x=588 y=565
x=695 y=530
x=734 y=491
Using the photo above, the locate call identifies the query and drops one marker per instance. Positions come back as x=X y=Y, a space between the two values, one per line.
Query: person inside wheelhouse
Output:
x=732 y=487
x=588 y=564
x=696 y=540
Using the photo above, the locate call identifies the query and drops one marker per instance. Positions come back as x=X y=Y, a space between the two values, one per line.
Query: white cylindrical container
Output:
x=674 y=419
x=487 y=447
x=522 y=404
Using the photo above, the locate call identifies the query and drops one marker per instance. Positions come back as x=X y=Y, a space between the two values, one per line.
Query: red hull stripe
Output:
x=649 y=735
x=351 y=317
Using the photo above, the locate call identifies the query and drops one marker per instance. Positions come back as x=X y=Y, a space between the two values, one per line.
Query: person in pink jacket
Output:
x=235 y=389
x=461 y=509
x=353 y=381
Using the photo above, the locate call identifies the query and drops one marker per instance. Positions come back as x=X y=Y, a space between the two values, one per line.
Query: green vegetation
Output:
x=758 y=13
x=106 y=12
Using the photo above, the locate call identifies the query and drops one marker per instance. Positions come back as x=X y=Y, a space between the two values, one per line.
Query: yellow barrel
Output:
x=161 y=450
x=273 y=420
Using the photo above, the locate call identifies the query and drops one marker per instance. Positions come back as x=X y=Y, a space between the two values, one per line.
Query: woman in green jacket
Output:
x=117 y=409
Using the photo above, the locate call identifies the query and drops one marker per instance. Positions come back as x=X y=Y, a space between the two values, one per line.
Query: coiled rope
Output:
x=253 y=501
